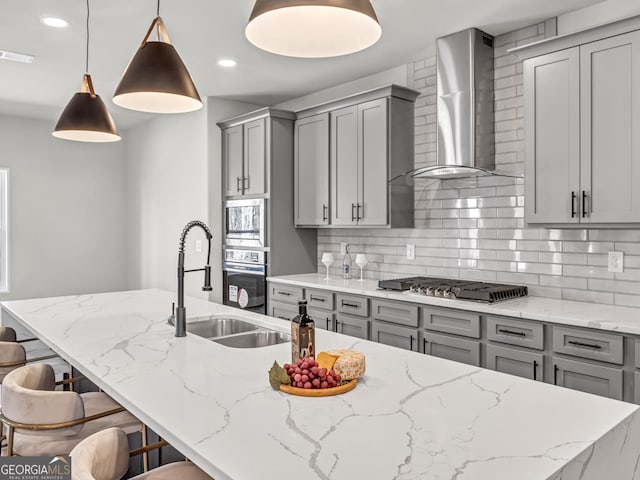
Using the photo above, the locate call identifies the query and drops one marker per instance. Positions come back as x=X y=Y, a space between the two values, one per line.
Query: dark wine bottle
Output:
x=303 y=334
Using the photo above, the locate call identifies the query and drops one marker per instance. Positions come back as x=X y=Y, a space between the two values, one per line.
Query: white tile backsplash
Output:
x=475 y=228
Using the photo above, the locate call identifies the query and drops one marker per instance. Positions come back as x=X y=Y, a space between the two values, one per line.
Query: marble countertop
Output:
x=566 y=312
x=411 y=417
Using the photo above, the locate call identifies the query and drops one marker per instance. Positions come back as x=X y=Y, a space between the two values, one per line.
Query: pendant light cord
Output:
x=86 y=65
x=158 y=9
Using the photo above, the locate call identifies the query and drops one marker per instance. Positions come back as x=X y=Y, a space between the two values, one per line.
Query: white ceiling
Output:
x=204 y=31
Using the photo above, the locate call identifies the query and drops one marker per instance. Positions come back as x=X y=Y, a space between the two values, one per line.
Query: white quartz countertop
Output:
x=565 y=312
x=411 y=417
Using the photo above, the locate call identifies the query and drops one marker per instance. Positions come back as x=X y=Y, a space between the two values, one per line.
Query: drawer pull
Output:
x=555 y=374
x=352 y=305
x=588 y=345
x=283 y=318
x=535 y=370
x=286 y=294
x=317 y=299
x=511 y=332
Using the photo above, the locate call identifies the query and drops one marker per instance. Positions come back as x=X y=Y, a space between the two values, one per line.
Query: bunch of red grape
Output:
x=306 y=374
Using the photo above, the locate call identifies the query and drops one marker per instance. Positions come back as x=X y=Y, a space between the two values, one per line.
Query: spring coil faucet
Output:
x=180 y=316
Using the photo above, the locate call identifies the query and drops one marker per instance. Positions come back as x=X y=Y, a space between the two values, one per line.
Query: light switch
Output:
x=411 y=251
x=198 y=246
x=616 y=262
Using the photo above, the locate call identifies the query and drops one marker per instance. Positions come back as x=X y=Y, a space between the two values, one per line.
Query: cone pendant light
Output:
x=86 y=118
x=156 y=80
x=313 y=28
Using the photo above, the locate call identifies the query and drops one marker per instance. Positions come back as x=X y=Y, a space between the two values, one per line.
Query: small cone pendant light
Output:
x=156 y=80
x=86 y=117
x=313 y=28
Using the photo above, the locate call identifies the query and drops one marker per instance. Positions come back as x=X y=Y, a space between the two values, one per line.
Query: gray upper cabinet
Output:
x=232 y=147
x=344 y=166
x=370 y=142
x=248 y=144
x=254 y=158
x=610 y=142
x=552 y=126
x=371 y=209
x=582 y=115
x=311 y=158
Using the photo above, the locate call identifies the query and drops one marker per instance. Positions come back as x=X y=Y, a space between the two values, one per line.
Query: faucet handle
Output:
x=172 y=319
x=207 y=279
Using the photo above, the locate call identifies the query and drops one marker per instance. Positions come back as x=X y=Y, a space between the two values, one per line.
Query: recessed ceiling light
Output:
x=54 y=22
x=227 y=62
x=15 y=57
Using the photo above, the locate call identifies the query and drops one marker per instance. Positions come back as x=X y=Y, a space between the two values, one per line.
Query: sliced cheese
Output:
x=326 y=360
x=350 y=363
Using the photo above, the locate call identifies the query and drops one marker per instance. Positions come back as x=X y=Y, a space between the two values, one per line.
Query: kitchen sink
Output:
x=219 y=327
x=260 y=338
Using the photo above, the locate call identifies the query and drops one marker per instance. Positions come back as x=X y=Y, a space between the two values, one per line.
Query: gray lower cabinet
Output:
x=283 y=311
x=352 y=305
x=311 y=170
x=320 y=299
x=395 y=336
x=515 y=332
x=352 y=326
x=636 y=387
x=601 y=346
x=322 y=319
x=452 y=348
x=285 y=293
x=396 y=312
x=515 y=361
x=588 y=377
x=452 y=321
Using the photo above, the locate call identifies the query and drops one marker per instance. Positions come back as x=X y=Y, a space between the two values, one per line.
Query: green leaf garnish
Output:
x=278 y=376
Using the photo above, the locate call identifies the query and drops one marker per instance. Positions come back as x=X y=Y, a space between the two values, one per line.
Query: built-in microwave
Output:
x=245 y=223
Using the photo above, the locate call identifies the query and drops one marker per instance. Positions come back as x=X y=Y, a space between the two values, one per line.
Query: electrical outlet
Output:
x=198 y=246
x=616 y=262
x=411 y=251
x=343 y=248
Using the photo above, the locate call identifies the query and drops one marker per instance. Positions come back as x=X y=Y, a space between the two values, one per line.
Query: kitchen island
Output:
x=411 y=417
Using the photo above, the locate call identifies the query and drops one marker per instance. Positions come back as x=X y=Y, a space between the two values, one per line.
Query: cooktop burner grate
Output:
x=455 y=288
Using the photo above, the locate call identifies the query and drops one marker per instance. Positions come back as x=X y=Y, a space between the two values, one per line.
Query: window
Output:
x=4 y=230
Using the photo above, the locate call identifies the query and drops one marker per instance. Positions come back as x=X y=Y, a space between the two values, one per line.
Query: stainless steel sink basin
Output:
x=219 y=327
x=260 y=338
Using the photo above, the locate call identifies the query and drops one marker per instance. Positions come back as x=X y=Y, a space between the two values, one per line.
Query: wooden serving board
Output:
x=319 y=392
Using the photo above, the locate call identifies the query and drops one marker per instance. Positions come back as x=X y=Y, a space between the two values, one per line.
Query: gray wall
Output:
x=67 y=228
x=475 y=228
x=174 y=176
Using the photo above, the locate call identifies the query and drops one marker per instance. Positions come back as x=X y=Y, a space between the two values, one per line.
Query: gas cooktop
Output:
x=456 y=289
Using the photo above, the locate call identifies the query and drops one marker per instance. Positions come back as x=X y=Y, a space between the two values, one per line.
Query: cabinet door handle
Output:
x=284 y=318
x=325 y=213
x=352 y=305
x=411 y=342
x=535 y=370
x=327 y=323
x=511 y=332
x=353 y=212
x=588 y=345
x=286 y=294
x=573 y=204
x=337 y=324
x=317 y=299
x=245 y=187
x=424 y=346
x=358 y=207
x=584 y=203
x=555 y=374
x=238 y=184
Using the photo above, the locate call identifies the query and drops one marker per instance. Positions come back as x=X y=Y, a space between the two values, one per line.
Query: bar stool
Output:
x=43 y=421
x=104 y=456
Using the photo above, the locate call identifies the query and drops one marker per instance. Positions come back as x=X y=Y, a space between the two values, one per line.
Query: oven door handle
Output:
x=250 y=269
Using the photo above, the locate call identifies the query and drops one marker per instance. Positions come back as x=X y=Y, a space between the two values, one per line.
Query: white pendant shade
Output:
x=313 y=29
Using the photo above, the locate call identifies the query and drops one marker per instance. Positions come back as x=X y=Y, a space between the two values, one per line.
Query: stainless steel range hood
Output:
x=466 y=144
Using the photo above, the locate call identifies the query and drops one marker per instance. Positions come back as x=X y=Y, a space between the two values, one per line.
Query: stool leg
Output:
x=10 y=441
x=145 y=455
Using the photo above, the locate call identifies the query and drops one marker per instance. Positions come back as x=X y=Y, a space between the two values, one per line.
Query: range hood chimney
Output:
x=466 y=144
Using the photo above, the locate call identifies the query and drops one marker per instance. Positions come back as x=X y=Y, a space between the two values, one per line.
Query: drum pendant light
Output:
x=313 y=28
x=156 y=80
x=86 y=117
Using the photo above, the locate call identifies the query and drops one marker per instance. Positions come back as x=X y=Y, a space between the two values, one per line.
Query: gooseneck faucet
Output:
x=181 y=311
